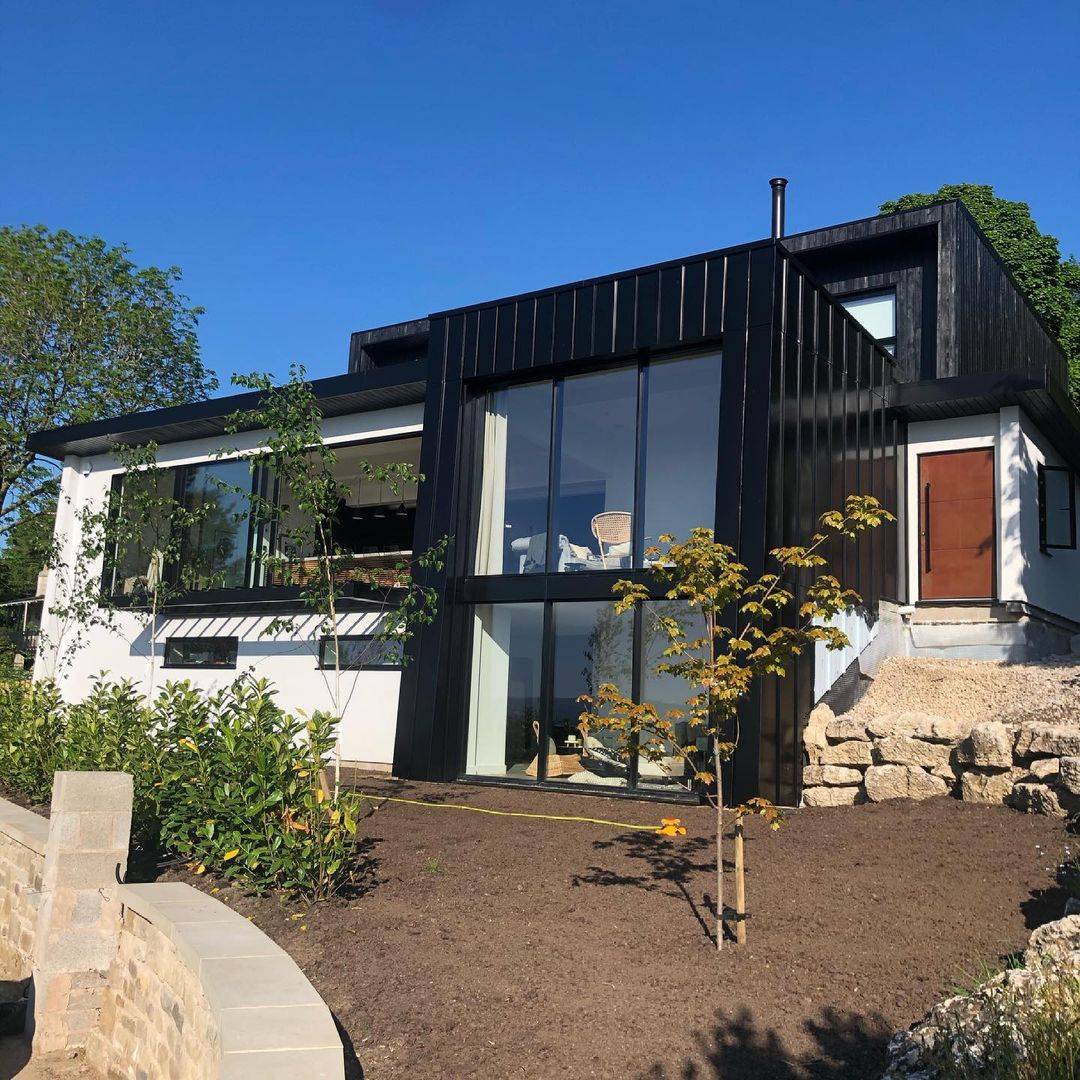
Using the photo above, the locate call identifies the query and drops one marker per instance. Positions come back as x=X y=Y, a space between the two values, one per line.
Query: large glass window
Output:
x=593 y=645
x=142 y=499
x=594 y=506
x=665 y=691
x=505 y=716
x=514 y=502
x=215 y=548
x=607 y=450
x=682 y=426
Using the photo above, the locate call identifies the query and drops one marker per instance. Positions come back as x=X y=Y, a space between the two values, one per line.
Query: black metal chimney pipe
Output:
x=778 y=184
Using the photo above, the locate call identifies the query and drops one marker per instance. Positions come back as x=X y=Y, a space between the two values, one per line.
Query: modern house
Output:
x=561 y=431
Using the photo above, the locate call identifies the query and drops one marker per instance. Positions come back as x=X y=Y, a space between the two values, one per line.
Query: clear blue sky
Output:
x=317 y=168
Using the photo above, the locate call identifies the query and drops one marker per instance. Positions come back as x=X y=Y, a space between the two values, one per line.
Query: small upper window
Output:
x=876 y=312
x=361 y=652
x=201 y=652
x=1057 y=508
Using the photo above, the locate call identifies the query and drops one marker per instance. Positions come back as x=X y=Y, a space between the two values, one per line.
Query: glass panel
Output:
x=361 y=651
x=682 y=426
x=593 y=646
x=504 y=706
x=664 y=691
x=1058 y=487
x=876 y=313
x=145 y=500
x=512 y=538
x=215 y=549
x=595 y=498
x=201 y=652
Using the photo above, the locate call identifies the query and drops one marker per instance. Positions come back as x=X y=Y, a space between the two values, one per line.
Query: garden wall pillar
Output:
x=79 y=918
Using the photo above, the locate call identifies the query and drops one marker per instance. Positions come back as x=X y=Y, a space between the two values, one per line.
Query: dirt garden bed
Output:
x=502 y=947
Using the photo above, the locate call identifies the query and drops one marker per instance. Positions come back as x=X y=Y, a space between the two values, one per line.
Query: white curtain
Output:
x=491 y=542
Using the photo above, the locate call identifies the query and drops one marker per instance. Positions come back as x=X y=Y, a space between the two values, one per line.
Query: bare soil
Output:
x=508 y=947
x=975 y=691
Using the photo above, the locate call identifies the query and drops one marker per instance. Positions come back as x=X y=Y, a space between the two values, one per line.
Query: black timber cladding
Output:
x=959 y=309
x=802 y=420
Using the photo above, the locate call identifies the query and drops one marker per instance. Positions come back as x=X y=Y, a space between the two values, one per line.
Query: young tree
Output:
x=307 y=551
x=745 y=638
x=1051 y=283
x=84 y=333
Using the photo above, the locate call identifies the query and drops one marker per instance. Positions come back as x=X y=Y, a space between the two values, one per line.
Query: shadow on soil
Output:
x=665 y=868
x=1043 y=906
x=848 y=1045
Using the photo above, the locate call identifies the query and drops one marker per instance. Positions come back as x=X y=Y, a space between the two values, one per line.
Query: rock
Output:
x=985 y=787
x=989 y=745
x=1039 y=739
x=814 y=740
x=1054 y=940
x=840 y=730
x=846 y=753
x=919 y=725
x=832 y=775
x=884 y=782
x=904 y=750
x=1046 y=768
x=1036 y=799
x=832 y=796
x=1070 y=774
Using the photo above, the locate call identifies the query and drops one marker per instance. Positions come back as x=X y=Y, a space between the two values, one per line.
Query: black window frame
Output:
x=202 y=639
x=1044 y=544
x=327 y=639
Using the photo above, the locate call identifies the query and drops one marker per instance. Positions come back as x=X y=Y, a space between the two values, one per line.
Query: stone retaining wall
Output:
x=1032 y=766
x=22 y=859
x=196 y=991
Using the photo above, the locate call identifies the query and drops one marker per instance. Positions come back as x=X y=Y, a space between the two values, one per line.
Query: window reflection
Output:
x=215 y=548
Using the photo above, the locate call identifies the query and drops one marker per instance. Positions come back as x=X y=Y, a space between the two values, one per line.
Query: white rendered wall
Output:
x=76 y=654
x=1048 y=580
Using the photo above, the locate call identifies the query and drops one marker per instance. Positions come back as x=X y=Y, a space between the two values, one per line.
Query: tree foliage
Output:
x=1051 y=283
x=84 y=334
x=752 y=629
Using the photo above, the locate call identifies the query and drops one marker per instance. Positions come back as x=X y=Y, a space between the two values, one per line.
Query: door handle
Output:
x=926 y=525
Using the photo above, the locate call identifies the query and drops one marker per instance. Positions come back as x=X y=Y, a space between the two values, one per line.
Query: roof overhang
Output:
x=1049 y=407
x=340 y=395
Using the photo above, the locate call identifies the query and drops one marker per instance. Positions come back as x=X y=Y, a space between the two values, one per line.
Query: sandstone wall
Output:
x=22 y=859
x=1031 y=765
x=196 y=991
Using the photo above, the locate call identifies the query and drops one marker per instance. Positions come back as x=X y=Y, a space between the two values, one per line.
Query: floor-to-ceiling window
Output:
x=583 y=474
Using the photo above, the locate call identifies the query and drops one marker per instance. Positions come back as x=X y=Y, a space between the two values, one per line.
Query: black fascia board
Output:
x=337 y=395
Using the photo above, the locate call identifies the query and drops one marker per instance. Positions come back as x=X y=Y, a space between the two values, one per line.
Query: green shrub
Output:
x=229 y=779
x=32 y=719
x=241 y=791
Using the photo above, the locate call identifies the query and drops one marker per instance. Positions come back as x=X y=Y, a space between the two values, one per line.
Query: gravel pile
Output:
x=974 y=691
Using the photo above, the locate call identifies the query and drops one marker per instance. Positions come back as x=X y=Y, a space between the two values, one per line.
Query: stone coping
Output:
x=270 y=1019
x=24 y=826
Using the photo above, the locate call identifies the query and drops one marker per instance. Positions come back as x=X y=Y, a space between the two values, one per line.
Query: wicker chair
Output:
x=612 y=528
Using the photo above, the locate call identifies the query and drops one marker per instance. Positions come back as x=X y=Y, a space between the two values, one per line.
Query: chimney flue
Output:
x=778 y=184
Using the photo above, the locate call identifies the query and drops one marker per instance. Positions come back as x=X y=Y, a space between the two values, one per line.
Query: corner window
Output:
x=200 y=652
x=1057 y=508
x=361 y=652
x=876 y=313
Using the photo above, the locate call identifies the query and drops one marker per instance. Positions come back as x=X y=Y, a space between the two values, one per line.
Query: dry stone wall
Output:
x=1031 y=765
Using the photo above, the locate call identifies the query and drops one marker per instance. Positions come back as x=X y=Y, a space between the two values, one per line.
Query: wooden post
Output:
x=740 y=886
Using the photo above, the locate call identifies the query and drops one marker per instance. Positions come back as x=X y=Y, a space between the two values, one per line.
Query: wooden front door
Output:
x=956 y=525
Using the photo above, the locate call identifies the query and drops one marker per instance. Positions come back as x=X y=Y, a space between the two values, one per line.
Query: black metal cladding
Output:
x=803 y=423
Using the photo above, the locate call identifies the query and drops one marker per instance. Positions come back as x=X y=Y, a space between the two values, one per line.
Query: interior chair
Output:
x=612 y=530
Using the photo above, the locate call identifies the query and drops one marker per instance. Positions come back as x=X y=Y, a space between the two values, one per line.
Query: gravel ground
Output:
x=976 y=690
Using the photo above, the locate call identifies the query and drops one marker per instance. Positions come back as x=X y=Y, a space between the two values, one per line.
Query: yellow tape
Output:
x=506 y=813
